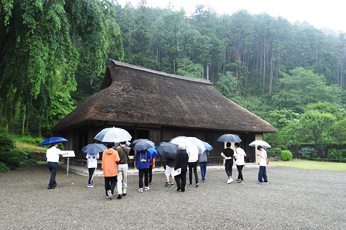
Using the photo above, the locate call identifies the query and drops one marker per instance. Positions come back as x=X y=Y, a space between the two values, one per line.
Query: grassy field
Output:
x=306 y=164
x=29 y=147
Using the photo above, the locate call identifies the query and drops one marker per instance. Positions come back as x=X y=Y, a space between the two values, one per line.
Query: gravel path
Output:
x=293 y=199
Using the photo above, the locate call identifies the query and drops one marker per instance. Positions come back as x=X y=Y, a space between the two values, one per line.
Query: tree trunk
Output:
x=24 y=119
x=264 y=68
x=271 y=73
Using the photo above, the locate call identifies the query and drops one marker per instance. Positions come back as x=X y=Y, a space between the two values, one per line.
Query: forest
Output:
x=53 y=55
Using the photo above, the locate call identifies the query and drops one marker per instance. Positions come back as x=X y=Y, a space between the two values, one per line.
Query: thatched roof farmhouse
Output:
x=159 y=106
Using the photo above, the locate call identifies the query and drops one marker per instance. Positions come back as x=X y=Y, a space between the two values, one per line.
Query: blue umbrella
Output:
x=229 y=138
x=143 y=145
x=152 y=151
x=167 y=150
x=52 y=140
x=207 y=146
x=94 y=149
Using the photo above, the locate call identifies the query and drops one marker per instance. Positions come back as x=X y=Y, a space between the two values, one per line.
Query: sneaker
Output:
x=230 y=180
x=140 y=190
x=196 y=185
x=119 y=197
x=172 y=184
x=146 y=188
x=182 y=190
x=167 y=184
x=109 y=194
x=124 y=194
x=238 y=180
x=241 y=182
x=178 y=189
x=90 y=185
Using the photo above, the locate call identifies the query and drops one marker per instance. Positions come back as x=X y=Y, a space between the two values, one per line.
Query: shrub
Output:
x=6 y=142
x=3 y=168
x=275 y=153
x=286 y=155
x=335 y=154
x=29 y=139
x=15 y=159
x=308 y=153
x=10 y=158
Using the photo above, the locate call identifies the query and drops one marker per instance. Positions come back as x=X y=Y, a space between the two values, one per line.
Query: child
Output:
x=92 y=165
x=262 y=173
x=110 y=159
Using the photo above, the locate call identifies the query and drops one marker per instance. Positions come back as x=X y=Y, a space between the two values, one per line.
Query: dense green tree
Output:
x=302 y=87
x=42 y=46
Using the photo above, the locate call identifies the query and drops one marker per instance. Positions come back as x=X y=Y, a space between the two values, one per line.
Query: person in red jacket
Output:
x=110 y=158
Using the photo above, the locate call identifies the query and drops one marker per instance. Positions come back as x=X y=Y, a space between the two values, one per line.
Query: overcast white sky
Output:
x=322 y=14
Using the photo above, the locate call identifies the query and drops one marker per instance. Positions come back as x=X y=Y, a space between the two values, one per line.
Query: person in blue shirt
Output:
x=143 y=159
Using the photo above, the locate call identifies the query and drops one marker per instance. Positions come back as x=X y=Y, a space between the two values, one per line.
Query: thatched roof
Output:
x=136 y=95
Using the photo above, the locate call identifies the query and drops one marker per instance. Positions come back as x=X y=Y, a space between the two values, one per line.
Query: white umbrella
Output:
x=113 y=134
x=261 y=143
x=191 y=148
x=198 y=143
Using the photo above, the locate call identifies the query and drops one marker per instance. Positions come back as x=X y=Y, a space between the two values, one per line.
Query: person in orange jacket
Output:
x=110 y=159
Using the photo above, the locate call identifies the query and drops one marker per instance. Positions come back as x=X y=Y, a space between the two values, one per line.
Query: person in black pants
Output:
x=181 y=163
x=228 y=155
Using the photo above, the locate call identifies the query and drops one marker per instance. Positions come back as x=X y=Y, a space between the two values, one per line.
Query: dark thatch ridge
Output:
x=140 y=96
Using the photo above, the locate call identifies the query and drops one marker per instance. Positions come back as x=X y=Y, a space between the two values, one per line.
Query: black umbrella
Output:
x=229 y=138
x=167 y=150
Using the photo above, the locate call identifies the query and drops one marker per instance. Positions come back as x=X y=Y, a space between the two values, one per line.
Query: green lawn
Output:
x=306 y=164
x=26 y=147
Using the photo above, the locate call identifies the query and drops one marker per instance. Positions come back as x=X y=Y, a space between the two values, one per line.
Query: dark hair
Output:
x=228 y=144
x=110 y=145
x=123 y=143
x=237 y=144
x=259 y=147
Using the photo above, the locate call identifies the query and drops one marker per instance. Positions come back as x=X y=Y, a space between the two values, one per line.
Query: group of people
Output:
x=115 y=167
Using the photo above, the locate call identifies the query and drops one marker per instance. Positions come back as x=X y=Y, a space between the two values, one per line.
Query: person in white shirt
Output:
x=52 y=156
x=240 y=154
x=262 y=173
x=92 y=165
x=192 y=163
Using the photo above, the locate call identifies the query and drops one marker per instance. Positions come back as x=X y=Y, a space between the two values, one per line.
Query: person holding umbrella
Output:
x=52 y=156
x=143 y=158
x=169 y=168
x=240 y=154
x=228 y=155
x=181 y=162
x=92 y=165
x=92 y=154
x=123 y=168
x=110 y=158
x=262 y=173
